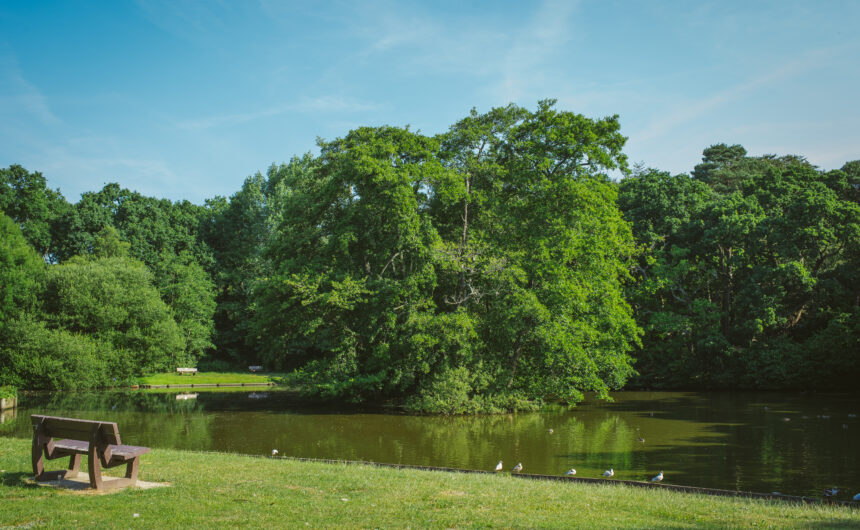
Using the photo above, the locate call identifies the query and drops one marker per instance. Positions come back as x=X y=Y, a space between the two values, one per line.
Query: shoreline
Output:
x=266 y=492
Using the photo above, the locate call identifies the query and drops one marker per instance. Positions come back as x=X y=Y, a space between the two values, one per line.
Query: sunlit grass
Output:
x=210 y=378
x=214 y=489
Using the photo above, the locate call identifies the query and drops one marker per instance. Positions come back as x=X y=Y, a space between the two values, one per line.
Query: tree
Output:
x=112 y=300
x=21 y=272
x=188 y=290
x=749 y=277
x=480 y=270
x=25 y=197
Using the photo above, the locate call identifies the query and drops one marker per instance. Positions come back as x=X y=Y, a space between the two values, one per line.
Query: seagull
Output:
x=831 y=492
x=518 y=468
x=274 y=452
x=658 y=478
x=550 y=431
x=499 y=466
x=571 y=471
x=641 y=440
x=609 y=472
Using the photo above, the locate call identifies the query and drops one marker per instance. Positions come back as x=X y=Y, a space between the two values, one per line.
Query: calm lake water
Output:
x=792 y=443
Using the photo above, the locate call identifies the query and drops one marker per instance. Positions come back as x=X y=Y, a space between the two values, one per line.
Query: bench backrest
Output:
x=75 y=429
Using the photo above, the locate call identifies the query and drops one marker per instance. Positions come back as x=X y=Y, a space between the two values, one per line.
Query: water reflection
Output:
x=796 y=444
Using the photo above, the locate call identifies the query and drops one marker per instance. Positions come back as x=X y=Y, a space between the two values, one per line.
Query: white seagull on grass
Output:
x=658 y=478
x=274 y=452
x=518 y=468
x=571 y=471
x=609 y=473
x=499 y=466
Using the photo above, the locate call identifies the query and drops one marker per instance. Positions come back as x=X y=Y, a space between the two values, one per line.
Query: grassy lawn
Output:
x=210 y=377
x=214 y=489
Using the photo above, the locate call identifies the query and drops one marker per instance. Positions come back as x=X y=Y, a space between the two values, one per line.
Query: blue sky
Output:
x=184 y=100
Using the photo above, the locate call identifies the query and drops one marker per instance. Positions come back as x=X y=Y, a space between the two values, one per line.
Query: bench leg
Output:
x=37 y=457
x=131 y=469
x=74 y=466
x=95 y=468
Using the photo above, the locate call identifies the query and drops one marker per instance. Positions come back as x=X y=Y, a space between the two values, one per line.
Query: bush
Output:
x=50 y=359
x=452 y=391
x=8 y=391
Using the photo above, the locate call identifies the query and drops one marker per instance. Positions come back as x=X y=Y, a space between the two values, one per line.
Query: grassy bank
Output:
x=210 y=489
x=210 y=378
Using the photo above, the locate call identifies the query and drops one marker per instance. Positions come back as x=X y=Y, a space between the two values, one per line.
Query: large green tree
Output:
x=110 y=298
x=167 y=237
x=25 y=197
x=751 y=280
x=477 y=270
x=21 y=272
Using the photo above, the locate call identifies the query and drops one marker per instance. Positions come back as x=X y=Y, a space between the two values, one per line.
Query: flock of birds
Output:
x=609 y=473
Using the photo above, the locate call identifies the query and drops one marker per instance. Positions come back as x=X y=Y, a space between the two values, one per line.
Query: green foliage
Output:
x=56 y=359
x=37 y=210
x=480 y=270
x=21 y=272
x=166 y=237
x=747 y=279
x=112 y=300
x=188 y=290
x=8 y=391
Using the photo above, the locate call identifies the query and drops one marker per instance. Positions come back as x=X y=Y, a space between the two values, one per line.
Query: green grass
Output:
x=215 y=489
x=209 y=378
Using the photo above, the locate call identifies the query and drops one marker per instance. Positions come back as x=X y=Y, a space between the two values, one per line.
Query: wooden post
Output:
x=93 y=459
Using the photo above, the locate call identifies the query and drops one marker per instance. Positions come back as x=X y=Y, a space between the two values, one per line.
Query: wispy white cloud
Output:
x=692 y=110
x=190 y=20
x=320 y=104
x=19 y=96
x=510 y=59
x=534 y=49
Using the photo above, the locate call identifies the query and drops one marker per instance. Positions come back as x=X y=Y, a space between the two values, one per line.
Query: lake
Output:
x=797 y=444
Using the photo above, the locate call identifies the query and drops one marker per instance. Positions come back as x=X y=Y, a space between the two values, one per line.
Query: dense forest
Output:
x=487 y=268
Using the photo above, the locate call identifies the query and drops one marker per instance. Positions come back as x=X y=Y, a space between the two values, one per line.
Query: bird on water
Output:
x=831 y=492
x=518 y=468
x=570 y=471
x=609 y=473
x=499 y=466
x=658 y=478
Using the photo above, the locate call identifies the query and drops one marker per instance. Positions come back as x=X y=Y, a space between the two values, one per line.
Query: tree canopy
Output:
x=490 y=267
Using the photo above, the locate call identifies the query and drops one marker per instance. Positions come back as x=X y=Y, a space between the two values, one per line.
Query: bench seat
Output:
x=119 y=452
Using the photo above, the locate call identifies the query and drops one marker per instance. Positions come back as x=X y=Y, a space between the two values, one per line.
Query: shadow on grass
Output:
x=17 y=479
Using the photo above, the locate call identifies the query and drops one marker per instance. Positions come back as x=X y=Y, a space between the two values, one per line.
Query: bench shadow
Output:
x=17 y=479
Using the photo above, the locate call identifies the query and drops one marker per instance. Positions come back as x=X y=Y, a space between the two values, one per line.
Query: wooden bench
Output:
x=99 y=440
x=183 y=371
x=255 y=368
